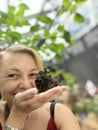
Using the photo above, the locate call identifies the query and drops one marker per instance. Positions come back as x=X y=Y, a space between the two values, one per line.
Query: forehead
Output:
x=14 y=59
x=16 y=56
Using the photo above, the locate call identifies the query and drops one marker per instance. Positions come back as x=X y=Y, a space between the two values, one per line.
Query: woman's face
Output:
x=16 y=75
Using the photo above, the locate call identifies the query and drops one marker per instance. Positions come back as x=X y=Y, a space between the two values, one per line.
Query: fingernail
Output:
x=63 y=88
x=34 y=90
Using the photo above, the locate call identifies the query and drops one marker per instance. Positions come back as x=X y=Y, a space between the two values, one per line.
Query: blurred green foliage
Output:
x=38 y=37
x=87 y=105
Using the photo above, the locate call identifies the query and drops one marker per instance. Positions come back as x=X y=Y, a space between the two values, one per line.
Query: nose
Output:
x=26 y=83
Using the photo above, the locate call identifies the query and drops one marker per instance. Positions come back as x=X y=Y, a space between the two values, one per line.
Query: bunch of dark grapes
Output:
x=44 y=82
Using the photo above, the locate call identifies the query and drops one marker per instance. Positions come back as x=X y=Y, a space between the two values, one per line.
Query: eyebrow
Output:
x=18 y=70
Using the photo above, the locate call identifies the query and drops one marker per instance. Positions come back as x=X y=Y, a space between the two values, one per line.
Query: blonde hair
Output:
x=24 y=49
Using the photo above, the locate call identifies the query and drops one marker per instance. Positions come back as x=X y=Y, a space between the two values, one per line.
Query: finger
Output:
x=39 y=99
x=51 y=94
x=26 y=94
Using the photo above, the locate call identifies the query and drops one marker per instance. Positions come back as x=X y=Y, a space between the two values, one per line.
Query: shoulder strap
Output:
x=52 y=106
x=0 y=126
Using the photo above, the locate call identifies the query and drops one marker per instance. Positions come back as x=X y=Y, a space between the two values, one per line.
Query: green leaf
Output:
x=45 y=19
x=72 y=41
x=1 y=32
x=56 y=47
x=62 y=10
x=3 y=17
x=20 y=14
x=23 y=7
x=10 y=20
x=58 y=57
x=13 y=35
x=60 y=46
x=35 y=28
x=67 y=36
x=73 y=8
x=53 y=48
x=41 y=42
x=53 y=36
x=16 y=35
x=37 y=36
x=21 y=10
x=60 y=28
x=24 y=23
x=78 y=18
x=11 y=10
x=46 y=33
x=70 y=79
x=80 y=1
x=66 y=3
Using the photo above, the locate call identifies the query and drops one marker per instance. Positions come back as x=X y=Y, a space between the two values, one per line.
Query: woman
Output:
x=22 y=107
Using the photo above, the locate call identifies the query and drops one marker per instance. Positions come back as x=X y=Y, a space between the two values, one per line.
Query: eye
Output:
x=12 y=76
x=33 y=75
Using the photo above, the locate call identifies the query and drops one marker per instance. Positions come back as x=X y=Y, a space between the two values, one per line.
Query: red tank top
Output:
x=0 y=127
x=51 y=123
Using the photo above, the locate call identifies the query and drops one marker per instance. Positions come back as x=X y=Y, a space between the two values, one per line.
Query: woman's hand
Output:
x=29 y=100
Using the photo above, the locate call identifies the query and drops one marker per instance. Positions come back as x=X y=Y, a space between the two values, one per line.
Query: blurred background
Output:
x=65 y=33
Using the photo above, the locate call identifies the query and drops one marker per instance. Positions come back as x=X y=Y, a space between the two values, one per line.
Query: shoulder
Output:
x=63 y=110
x=64 y=117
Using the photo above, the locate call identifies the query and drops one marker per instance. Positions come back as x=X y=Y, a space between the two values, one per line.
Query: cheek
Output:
x=8 y=87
